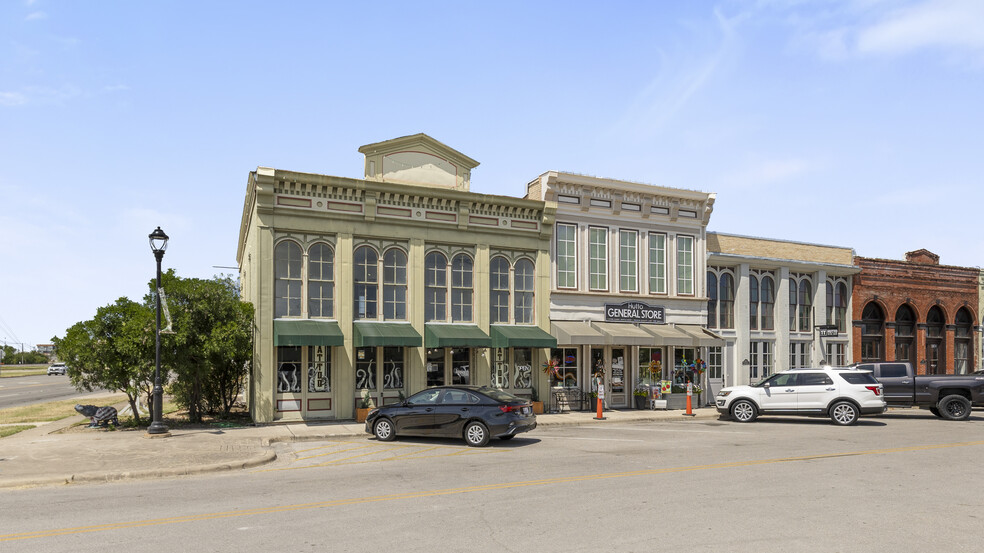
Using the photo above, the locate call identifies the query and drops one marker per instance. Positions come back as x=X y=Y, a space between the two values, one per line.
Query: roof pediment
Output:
x=420 y=160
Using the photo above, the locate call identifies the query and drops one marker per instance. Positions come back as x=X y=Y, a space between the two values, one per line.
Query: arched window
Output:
x=365 y=275
x=436 y=287
x=753 y=302
x=287 y=279
x=872 y=332
x=499 y=290
x=793 y=294
x=805 y=306
x=461 y=288
x=830 y=303
x=767 y=299
x=523 y=278
x=935 y=342
x=840 y=307
x=905 y=334
x=321 y=281
x=726 y=300
x=394 y=285
x=963 y=340
x=712 y=296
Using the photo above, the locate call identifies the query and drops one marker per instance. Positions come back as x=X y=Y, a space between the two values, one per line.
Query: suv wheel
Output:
x=954 y=408
x=844 y=413
x=743 y=410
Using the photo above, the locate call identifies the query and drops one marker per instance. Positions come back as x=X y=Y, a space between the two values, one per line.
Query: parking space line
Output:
x=333 y=452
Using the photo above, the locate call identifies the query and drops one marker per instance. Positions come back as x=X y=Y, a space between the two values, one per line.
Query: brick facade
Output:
x=943 y=300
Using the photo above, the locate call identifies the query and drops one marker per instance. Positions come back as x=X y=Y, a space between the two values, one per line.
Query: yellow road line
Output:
x=333 y=452
x=453 y=491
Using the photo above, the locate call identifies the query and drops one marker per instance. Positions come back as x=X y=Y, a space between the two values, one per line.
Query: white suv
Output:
x=57 y=368
x=842 y=394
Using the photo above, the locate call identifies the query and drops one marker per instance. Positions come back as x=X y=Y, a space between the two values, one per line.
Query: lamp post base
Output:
x=158 y=429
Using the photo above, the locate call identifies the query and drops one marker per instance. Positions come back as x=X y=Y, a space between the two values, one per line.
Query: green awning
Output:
x=510 y=336
x=385 y=334
x=293 y=332
x=455 y=336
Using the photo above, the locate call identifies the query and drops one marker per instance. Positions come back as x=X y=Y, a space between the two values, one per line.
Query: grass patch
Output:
x=11 y=430
x=7 y=372
x=53 y=411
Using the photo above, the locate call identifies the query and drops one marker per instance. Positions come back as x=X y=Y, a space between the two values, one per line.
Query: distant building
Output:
x=918 y=311
x=48 y=350
x=779 y=304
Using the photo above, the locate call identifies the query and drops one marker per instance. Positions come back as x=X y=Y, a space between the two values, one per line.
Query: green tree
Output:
x=212 y=345
x=114 y=350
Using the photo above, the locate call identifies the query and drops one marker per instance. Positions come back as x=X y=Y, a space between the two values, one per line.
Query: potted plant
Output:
x=365 y=405
x=537 y=404
x=640 y=394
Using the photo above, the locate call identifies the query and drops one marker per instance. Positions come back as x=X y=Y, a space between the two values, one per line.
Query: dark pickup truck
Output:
x=946 y=396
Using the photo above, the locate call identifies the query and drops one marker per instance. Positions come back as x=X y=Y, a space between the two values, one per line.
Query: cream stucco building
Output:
x=391 y=283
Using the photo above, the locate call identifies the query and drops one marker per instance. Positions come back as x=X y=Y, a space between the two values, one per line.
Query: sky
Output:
x=854 y=123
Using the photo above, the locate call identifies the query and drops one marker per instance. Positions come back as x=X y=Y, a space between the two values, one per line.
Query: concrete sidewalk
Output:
x=42 y=456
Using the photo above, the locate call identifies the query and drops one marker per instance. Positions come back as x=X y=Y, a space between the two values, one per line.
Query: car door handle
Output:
x=790 y=390
x=464 y=409
x=429 y=409
x=905 y=382
x=831 y=389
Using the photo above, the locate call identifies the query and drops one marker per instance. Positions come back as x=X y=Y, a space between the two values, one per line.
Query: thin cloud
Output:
x=671 y=89
x=767 y=173
x=937 y=23
x=34 y=16
x=11 y=99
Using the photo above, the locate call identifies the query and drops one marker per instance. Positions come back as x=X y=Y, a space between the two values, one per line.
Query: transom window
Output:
x=288 y=262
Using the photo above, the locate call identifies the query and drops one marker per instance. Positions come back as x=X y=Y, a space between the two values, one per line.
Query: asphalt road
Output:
x=18 y=391
x=907 y=482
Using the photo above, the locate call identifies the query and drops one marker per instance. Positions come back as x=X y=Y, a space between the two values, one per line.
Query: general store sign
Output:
x=634 y=312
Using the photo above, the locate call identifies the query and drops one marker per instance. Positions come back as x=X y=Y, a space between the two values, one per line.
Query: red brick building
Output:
x=918 y=311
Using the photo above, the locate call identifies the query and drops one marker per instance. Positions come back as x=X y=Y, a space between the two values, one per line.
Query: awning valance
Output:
x=306 y=332
x=666 y=335
x=369 y=334
x=511 y=336
x=624 y=334
x=702 y=336
x=455 y=336
x=576 y=333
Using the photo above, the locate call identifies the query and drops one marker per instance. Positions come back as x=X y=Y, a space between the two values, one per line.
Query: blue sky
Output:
x=854 y=123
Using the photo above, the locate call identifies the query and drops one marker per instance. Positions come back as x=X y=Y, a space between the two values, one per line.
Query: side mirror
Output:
x=766 y=385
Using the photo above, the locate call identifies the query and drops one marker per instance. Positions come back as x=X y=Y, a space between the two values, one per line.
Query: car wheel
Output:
x=954 y=408
x=383 y=430
x=743 y=411
x=844 y=413
x=476 y=434
x=509 y=437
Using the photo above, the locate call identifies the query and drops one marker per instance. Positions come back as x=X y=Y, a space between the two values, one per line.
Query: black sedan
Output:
x=475 y=413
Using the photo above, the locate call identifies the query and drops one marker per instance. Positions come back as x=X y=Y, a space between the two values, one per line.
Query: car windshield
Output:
x=499 y=395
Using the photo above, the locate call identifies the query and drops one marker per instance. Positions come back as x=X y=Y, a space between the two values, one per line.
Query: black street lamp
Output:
x=158 y=243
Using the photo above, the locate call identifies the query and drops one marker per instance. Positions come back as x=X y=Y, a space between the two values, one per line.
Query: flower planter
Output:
x=676 y=401
x=640 y=401
x=361 y=414
x=537 y=407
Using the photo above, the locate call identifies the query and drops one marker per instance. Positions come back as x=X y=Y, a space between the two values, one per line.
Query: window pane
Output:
x=598 y=258
x=461 y=366
x=365 y=275
x=767 y=300
x=499 y=293
x=461 y=288
x=712 y=294
x=657 y=263
x=628 y=260
x=727 y=301
x=365 y=368
x=321 y=288
x=523 y=286
x=288 y=369
x=392 y=368
x=287 y=279
x=436 y=294
x=685 y=265
x=566 y=256
x=523 y=366
x=435 y=367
